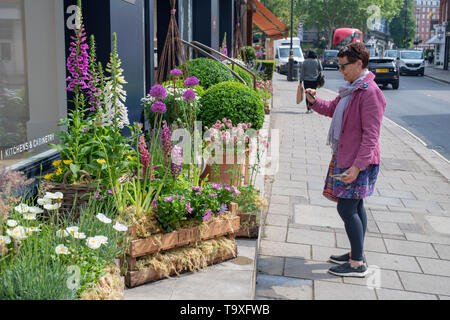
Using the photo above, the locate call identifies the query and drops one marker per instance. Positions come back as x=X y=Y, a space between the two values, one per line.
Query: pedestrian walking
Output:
x=310 y=71
x=430 y=57
x=354 y=134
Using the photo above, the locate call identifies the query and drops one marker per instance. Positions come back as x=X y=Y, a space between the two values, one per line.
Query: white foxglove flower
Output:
x=55 y=206
x=22 y=208
x=5 y=240
x=11 y=223
x=17 y=233
x=29 y=216
x=72 y=230
x=120 y=227
x=62 y=233
x=43 y=201
x=103 y=218
x=35 y=210
x=93 y=243
x=79 y=235
x=102 y=239
x=62 y=249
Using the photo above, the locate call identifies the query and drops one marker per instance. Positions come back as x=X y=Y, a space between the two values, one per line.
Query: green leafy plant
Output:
x=267 y=68
x=233 y=101
x=247 y=53
x=244 y=75
x=209 y=72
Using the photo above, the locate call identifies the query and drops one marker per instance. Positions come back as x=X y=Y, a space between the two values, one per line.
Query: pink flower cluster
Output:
x=261 y=84
x=145 y=155
x=166 y=141
x=224 y=131
x=78 y=62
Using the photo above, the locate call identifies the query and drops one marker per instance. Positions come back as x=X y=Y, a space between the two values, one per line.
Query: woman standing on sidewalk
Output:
x=309 y=73
x=354 y=139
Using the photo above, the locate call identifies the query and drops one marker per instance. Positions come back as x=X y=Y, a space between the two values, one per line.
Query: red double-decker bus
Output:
x=344 y=36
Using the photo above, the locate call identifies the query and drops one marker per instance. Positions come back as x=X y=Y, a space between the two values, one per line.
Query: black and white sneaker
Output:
x=346 y=270
x=343 y=259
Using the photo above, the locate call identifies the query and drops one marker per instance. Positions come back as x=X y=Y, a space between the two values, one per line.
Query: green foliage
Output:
x=250 y=54
x=233 y=101
x=209 y=72
x=244 y=75
x=246 y=199
x=403 y=35
x=267 y=68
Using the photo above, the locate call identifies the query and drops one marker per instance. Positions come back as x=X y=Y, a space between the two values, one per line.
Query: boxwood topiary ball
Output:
x=234 y=101
x=209 y=72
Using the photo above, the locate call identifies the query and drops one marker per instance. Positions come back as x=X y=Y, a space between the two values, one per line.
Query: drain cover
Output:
x=242 y=261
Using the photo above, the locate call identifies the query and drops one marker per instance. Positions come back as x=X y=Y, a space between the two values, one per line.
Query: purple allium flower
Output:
x=176 y=73
x=158 y=92
x=207 y=215
x=259 y=54
x=158 y=107
x=189 y=95
x=168 y=199
x=191 y=82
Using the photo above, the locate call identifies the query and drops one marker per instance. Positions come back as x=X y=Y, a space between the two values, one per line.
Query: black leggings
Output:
x=353 y=214
x=309 y=85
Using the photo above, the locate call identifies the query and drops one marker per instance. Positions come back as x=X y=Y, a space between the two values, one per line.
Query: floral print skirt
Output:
x=362 y=187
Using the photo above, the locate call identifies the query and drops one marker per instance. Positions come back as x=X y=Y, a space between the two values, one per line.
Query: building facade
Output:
x=34 y=43
x=427 y=15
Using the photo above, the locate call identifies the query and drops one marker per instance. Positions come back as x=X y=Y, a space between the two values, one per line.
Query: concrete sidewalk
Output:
x=407 y=244
x=437 y=73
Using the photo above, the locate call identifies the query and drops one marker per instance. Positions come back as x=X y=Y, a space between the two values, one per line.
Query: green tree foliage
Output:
x=331 y=14
x=403 y=26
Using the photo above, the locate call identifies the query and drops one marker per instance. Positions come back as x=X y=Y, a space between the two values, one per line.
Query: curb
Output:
x=437 y=79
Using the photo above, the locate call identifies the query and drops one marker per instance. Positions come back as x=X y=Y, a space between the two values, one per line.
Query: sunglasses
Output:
x=342 y=66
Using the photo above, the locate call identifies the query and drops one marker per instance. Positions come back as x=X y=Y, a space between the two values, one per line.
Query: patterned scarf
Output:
x=345 y=92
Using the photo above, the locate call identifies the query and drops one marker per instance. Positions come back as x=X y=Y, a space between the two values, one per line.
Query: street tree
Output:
x=403 y=26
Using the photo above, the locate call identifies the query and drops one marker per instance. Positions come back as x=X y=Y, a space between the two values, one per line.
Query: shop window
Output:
x=32 y=79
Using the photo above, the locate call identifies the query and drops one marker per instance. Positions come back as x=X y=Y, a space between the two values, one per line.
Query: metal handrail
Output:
x=227 y=58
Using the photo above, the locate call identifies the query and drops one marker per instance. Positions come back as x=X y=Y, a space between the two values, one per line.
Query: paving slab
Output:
x=283 y=249
x=435 y=266
x=370 y=243
x=387 y=294
x=392 y=261
x=391 y=217
x=431 y=238
x=271 y=265
x=425 y=283
x=311 y=237
x=317 y=216
x=285 y=288
x=273 y=233
x=443 y=251
x=389 y=227
x=377 y=278
x=308 y=269
x=410 y=248
x=326 y=290
x=277 y=220
x=439 y=224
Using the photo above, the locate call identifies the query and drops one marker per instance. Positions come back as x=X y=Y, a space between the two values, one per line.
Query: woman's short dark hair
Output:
x=354 y=52
x=311 y=54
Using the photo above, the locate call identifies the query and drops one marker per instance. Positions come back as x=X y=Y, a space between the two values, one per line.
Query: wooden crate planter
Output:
x=182 y=237
x=150 y=274
x=223 y=176
x=249 y=226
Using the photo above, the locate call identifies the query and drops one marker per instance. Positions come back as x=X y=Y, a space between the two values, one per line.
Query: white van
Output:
x=282 y=58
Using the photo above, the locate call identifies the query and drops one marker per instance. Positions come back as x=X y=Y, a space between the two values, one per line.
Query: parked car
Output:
x=385 y=71
x=411 y=62
x=282 y=58
x=330 y=59
x=391 y=53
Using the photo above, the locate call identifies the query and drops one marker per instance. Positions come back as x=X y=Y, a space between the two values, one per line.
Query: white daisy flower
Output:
x=17 y=233
x=103 y=218
x=93 y=243
x=43 y=201
x=54 y=196
x=55 y=206
x=35 y=210
x=79 y=235
x=102 y=239
x=11 y=223
x=120 y=227
x=72 y=230
x=29 y=216
x=32 y=229
x=5 y=240
x=62 y=249
x=22 y=208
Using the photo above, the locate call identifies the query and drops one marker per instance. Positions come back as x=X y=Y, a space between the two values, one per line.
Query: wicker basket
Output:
x=75 y=195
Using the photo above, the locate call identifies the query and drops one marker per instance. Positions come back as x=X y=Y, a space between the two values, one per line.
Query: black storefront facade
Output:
x=34 y=42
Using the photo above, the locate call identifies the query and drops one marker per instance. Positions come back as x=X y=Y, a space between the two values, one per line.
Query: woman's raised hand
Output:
x=313 y=93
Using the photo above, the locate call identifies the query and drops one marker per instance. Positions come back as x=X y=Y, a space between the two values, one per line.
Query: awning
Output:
x=435 y=40
x=268 y=22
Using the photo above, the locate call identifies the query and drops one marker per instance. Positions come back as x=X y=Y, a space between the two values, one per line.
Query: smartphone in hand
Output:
x=339 y=176
x=309 y=94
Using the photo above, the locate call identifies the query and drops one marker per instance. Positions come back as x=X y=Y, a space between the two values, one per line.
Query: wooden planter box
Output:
x=182 y=237
x=223 y=176
x=249 y=226
x=149 y=274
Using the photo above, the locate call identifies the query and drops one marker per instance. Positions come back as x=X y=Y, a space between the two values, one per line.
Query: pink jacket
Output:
x=358 y=142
